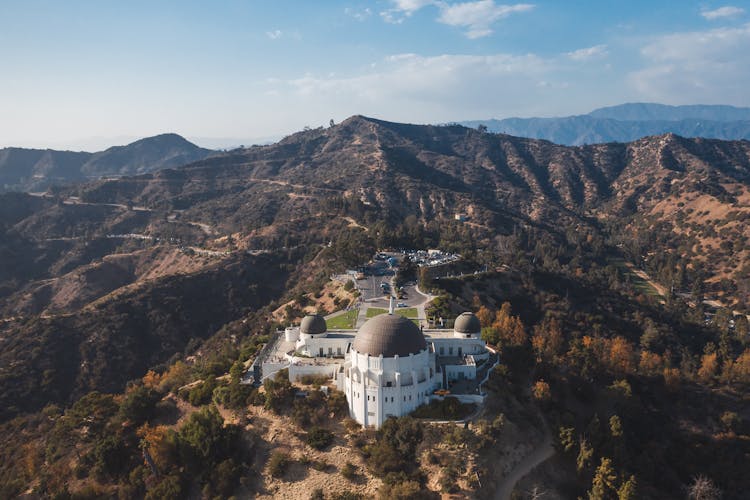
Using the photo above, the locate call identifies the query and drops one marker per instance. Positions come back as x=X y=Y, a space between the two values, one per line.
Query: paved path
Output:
x=540 y=454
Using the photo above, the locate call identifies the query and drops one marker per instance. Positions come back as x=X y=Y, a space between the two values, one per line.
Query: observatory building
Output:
x=389 y=366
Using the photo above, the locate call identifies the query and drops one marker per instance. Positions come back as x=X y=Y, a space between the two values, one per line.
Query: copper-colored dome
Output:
x=313 y=324
x=389 y=335
x=467 y=323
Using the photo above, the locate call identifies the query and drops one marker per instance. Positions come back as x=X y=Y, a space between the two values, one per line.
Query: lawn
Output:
x=640 y=285
x=344 y=321
x=407 y=312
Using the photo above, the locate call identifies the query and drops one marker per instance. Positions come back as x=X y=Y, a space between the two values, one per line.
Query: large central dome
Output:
x=389 y=335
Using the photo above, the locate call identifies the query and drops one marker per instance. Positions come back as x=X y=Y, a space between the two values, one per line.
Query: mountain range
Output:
x=629 y=122
x=36 y=169
x=108 y=251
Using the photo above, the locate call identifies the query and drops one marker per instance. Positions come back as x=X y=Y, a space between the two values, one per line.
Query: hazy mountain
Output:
x=36 y=169
x=146 y=155
x=629 y=122
x=643 y=111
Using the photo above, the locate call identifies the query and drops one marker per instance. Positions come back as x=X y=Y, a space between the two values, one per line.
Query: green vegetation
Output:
x=319 y=438
x=639 y=284
x=344 y=321
x=406 y=312
x=448 y=408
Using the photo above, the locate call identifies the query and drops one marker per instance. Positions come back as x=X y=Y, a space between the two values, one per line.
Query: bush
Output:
x=349 y=471
x=278 y=463
x=319 y=438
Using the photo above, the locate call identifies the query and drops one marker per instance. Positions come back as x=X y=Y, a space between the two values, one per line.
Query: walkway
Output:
x=540 y=454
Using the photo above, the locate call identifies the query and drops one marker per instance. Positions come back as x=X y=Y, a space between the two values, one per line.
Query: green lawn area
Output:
x=344 y=321
x=640 y=285
x=407 y=312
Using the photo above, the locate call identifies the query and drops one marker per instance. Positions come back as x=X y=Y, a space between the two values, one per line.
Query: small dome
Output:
x=313 y=324
x=389 y=335
x=467 y=323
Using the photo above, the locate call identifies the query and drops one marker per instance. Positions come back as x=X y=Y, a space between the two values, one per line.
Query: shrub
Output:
x=349 y=471
x=278 y=463
x=319 y=438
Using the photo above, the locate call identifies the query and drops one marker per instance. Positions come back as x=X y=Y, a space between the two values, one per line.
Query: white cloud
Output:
x=403 y=9
x=478 y=17
x=358 y=14
x=411 y=87
x=704 y=66
x=275 y=34
x=588 y=53
x=723 y=12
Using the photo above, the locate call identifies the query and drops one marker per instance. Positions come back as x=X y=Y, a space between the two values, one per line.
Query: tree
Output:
x=585 y=454
x=604 y=480
x=621 y=356
x=547 y=339
x=709 y=367
x=702 y=488
x=485 y=316
x=541 y=391
x=650 y=363
x=628 y=489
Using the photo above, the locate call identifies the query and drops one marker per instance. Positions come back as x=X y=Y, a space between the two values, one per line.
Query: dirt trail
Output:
x=540 y=454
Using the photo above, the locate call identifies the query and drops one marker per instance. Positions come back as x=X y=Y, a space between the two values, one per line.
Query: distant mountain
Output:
x=647 y=111
x=143 y=156
x=37 y=169
x=629 y=122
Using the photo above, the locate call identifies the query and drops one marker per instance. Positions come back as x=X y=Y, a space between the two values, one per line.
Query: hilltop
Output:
x=37 y=169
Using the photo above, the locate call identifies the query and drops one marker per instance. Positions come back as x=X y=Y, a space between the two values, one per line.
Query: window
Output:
x=338 y=351
x=321 y=352
x=442 y=350
x=330 y=351
x=450 y=351
x=459 y=352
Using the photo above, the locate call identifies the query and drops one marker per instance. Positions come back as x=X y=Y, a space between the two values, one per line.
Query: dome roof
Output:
x=313 y=324
x=389 y=335
x=467 y=323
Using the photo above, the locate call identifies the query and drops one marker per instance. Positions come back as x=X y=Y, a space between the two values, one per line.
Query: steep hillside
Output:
x=678 y=207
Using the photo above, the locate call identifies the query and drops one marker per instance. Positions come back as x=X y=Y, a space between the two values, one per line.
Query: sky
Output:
x=85 y=75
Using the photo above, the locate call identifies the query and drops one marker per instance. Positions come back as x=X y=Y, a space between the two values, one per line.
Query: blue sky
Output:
x=88 y=74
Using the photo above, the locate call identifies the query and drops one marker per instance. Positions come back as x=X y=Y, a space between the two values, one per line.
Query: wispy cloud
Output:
x=702 y=66
x=478 y=17
x=475 y=17
x=275 y=34
x=358 y=14
x=588 y=53
x=725 y=12
x=404 y=8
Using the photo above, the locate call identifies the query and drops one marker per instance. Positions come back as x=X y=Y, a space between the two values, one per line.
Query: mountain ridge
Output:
x=24 y=169
x=628 y=122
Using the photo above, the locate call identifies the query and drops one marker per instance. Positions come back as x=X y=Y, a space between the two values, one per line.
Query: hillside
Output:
x=37 y=169
x=675 y=206
x=628 y=122
x=184 y=271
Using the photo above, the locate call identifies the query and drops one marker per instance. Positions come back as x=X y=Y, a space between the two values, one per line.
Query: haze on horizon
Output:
x=88 y=74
